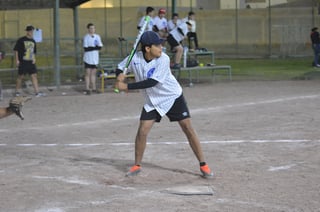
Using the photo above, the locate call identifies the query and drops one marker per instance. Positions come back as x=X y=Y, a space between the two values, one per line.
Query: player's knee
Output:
x=179 y=48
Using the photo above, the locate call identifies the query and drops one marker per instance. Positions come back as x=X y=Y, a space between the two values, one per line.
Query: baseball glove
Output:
x=16 y=103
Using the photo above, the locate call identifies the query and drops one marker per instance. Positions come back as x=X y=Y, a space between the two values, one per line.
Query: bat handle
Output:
x=116 y=90
x=125 y=71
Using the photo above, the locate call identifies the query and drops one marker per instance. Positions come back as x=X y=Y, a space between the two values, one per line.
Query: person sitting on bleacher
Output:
x=160 y=24
x=192 y=35
x=176 y=36
x=174 y=22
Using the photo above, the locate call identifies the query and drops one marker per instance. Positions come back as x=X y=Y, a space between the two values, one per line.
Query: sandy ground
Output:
x=72 y=151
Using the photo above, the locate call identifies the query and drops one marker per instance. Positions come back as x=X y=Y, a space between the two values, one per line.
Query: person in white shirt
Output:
x=192 y=35
x=174 y=22
x=163 y=96
x=91 y=44
x=176 y=36
x=150 y=13
x=160 y=24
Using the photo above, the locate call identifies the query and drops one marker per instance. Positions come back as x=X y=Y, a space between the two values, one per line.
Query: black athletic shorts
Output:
x=177 y=112
x=172 y=42
x=27 y=67
x=86 y=65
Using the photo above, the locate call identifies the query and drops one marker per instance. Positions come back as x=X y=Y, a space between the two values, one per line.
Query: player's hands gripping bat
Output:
x=16 y=104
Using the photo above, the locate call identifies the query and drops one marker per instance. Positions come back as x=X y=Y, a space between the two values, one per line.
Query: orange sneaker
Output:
x=134 y=170
x=206 y=171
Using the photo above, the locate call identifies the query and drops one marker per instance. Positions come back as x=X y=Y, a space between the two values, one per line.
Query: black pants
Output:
x=193 y=36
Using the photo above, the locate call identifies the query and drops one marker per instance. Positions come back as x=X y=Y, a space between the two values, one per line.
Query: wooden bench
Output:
x=198 y=69
x=107 y=67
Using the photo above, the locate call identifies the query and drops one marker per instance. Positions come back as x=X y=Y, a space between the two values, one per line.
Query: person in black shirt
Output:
x=315 y=39
x=25 y=51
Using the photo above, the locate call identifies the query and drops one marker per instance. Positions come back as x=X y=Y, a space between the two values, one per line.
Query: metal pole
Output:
x=121 y=18
x=270 y=26
x=56 y=43
x=105 y=24
x=167 y=7
x=121 y=53
x=237 y=28
x=77 y=38
x=173 y=2
x=313 y=16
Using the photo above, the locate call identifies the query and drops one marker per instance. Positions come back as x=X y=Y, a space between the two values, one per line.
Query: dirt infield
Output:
x=72 y=151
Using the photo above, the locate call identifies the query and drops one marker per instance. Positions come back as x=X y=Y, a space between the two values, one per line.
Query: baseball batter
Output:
x=163 y=96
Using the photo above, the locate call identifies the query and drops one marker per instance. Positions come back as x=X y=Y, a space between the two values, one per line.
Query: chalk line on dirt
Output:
x=193 y=111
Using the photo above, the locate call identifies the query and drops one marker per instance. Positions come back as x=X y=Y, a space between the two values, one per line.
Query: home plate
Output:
x=190 y=190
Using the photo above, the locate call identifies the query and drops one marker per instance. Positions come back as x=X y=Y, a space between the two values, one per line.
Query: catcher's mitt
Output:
x=16 y=103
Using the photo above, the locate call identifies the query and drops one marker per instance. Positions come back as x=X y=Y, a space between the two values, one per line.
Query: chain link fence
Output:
x=237 y=33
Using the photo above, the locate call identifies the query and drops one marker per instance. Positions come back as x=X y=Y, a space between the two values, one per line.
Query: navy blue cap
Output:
x=149 y=38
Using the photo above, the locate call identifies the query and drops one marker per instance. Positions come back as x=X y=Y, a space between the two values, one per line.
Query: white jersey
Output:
x=161 y=23
x=176 y=34
x=193 y=27
x=161 y=96
x=150 y=24
x=91 y=57
x=192 y=22
x=172 y=25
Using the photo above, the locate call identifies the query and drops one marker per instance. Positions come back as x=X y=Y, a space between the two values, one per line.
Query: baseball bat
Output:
x=135 y=46
x=136 y=43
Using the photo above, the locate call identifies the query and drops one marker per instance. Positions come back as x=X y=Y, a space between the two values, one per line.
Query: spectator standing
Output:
x=92 y=44
x=315 y=40
x=25 y=54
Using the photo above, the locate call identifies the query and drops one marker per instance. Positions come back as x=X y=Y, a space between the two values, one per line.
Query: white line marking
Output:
x=162 y=143
x=193 y=111
x=50 y=210
x=267 y=207
x=279 y=168
x=73 y=180
x=26 y=144
x=48 y=145
x=224 y=107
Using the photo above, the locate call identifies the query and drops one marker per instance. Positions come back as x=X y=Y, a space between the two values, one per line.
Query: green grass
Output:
x=242 y=69
x=270 y=69
x=266 y=69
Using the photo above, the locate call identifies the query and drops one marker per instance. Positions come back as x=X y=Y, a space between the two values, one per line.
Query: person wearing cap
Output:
x=315 y=40
x=175 y=38
x=163 y=96
x=25 y=54
x=160 y=24
x=150 y=13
